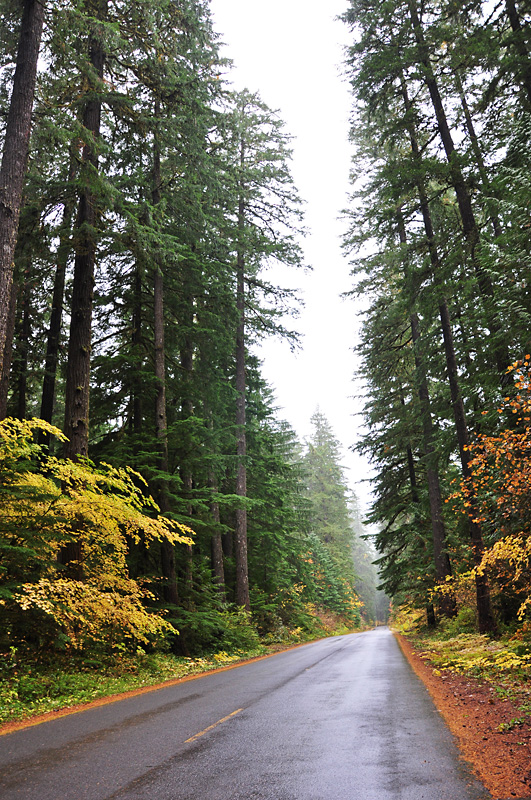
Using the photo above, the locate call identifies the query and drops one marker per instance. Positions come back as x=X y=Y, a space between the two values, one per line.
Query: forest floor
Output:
x=490 y=721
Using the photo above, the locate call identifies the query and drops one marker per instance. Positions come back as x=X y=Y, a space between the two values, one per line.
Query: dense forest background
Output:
x=439 y=239
x=148 y=486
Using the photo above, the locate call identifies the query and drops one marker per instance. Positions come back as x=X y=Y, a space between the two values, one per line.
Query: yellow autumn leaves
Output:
x=47 y=503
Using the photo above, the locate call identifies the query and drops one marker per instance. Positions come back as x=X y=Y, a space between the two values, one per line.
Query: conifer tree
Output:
x=266 y=216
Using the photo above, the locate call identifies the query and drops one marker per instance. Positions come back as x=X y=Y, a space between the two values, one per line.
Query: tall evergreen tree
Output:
x=266 y=217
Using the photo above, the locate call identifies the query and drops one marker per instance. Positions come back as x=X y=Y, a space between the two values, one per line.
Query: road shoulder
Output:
x=473 y=712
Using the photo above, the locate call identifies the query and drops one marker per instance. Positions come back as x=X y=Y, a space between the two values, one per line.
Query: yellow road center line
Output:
x=202 y=733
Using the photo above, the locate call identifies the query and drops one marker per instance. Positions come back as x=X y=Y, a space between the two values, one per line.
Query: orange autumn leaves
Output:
x=498 y=492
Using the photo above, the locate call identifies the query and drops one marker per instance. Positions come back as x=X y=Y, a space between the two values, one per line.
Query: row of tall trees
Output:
x=439 y=241
x=138 y=224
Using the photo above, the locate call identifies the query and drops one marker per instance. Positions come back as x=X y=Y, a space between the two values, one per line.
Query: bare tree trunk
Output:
x=440 y=553
x=431 y=618
x=169 y=572
x=54 y=331
x=216 y=545
x=187 y=364
x=136 y=396
x=15 y=153
x=171 y=594
x=22 y=350
x=77 y=391
x=240 y=533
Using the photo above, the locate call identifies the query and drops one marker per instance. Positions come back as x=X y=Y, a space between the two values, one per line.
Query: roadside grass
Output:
x=33 y=689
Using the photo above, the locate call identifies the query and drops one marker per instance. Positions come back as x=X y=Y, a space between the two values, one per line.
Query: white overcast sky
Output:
x=291 y=52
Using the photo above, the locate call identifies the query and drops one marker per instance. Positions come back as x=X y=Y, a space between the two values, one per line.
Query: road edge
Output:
x=47 y=716
x=454 y=715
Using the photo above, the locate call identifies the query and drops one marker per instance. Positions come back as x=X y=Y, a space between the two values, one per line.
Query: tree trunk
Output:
x=8 y=350
x=54 y=332
x=77 y=390
x=22 y=350
x=440 y=553
x=15 y=153
x=431 y=619
x=136 y=340
x=171 y=594
x=240 y=532
x=412 y=476
x=520 y=46
x=160 y=376
x=187 y=406
x=85 y=239
x=464 y=201
x=485 y=618
x=216 y=545
x=478 y=155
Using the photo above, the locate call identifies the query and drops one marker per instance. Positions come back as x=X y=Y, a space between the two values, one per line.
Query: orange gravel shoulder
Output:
x=474 y=714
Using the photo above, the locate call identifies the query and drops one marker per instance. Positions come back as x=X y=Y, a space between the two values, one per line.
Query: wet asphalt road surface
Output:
x=340 y=719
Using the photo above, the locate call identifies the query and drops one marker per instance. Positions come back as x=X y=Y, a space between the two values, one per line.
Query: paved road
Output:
x=340 y=719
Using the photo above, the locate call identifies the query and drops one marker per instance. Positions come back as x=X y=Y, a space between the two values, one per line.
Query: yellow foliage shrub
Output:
x=47 y=503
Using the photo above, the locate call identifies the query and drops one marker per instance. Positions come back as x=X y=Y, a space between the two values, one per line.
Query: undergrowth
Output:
x=454 y=646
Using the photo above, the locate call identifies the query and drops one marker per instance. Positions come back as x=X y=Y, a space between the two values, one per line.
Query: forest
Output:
x=439 y=242
x=151 y=498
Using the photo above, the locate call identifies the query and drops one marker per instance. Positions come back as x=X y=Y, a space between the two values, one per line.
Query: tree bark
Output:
x=520 y=46
x=240 y=533
x=187 y=406
x=171 y=593
x=85 y=239
x=136 y=341
x=77 y=390
x=440 y=553
x=478 y=155
x=22 y=350
x=54 y=332
x=16 y=146
x=8 y=350
x=216 y=554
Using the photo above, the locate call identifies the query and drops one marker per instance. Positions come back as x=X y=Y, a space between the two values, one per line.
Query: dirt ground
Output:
x=473 y=711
